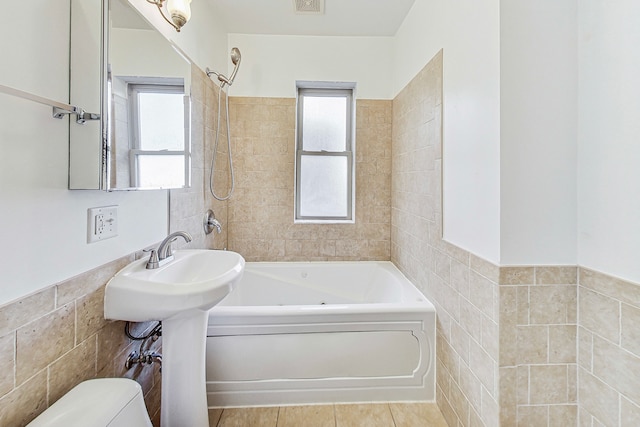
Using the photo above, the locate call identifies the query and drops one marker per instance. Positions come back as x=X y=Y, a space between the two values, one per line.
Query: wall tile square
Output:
x=611 y=286
x=563 y=415
x=599 y=314
x=618 y=375
x=533 y=416
x=585 y=349
x=548 y=384
x=532 y=344
x=629 y=413
x=481 y=294
x=19 y=313
x=556 y=275
x=630 y=328
x=562 y=343
x=90 y=315
x=7 y=363
x=72 y=368
x=516 y=276
x=25 y=402
x=598 y=399
x=57 y=330
x=550 y=305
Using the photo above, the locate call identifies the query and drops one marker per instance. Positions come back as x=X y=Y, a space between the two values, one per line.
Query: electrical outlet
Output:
x=102 y=223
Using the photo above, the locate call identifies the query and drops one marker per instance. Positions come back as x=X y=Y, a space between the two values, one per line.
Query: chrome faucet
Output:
x=163 y=254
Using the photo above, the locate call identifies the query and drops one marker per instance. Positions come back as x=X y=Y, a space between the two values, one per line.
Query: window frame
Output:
x=162 y=86
x=324 y=89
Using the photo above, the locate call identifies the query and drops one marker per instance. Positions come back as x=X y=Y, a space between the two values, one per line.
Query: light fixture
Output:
x=179 y=11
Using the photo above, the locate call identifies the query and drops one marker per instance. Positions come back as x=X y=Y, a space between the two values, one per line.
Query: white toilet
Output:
x=104 y=402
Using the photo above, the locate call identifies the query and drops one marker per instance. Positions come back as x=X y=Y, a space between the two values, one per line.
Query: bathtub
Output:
x=320 y=332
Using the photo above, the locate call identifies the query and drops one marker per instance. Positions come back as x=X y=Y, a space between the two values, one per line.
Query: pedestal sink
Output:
x=179 y=294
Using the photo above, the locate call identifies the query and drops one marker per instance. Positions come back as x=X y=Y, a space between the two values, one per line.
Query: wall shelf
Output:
x=59 y=108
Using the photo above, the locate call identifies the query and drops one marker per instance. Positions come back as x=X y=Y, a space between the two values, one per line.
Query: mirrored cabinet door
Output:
x=140 y=83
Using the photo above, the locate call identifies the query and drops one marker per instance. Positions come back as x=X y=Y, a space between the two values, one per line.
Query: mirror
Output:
x=144 y=103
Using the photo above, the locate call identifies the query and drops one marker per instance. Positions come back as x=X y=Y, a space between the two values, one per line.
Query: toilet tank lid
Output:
x=90 y=403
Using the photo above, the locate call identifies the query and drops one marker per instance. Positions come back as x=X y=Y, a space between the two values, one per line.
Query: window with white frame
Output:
x=159 y=118
x=325 y=153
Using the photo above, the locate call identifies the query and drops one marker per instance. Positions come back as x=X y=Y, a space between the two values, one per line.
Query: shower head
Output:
x=235 y=59
x=235 y=56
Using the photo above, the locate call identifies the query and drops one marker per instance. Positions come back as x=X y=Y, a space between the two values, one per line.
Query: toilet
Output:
x=104 y=402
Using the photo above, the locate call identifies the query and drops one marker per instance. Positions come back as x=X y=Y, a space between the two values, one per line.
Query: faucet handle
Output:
x=153 y=259
x=210 y=223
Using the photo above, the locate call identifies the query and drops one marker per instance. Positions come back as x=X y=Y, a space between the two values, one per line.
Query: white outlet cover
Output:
x=102 y=223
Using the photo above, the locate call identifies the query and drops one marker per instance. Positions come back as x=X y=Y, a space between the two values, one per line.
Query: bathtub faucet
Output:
x=163 y=254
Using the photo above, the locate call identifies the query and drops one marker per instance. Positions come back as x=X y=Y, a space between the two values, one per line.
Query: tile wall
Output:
x=516 y=346
x=261 y=225
x=58 y=337
x=608 y=351
x=464 y=288
x=538 y=323
x=189 y=205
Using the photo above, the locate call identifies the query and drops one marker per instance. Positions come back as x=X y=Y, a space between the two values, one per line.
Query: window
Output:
x=324 y=153
x=159 y=117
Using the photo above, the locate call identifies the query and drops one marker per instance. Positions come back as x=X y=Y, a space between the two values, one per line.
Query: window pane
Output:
x=323 y=186
x=160 y=170
x=161 y=121
x=324 y=123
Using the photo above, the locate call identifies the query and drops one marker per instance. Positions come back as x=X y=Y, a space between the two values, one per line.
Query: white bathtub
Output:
x=298 y=333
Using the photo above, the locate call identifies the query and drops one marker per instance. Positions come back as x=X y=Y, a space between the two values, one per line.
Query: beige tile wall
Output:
x=538 y=318
x=608 y=350
x=261 y=225
x=464 y=288
x=57 y=338
x=188 y=206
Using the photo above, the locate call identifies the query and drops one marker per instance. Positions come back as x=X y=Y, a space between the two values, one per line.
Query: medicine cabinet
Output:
x=124 y=68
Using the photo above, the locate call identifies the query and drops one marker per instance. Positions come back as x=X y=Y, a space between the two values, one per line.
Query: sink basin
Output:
x=195 y=279
x=179 y=293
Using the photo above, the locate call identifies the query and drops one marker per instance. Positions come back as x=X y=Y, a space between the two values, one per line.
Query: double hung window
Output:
x=325 y=154
x=159 y=117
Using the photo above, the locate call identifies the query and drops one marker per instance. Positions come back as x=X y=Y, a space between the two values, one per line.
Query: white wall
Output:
x=538 y=122
x=609 y=138
x=203 y=39
x=271 y=64
x=469 y=33
x=43 y=225
x=126 y=60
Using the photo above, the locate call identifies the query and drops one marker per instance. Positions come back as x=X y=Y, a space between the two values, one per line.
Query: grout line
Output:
x=392 y=417
x=335 y=417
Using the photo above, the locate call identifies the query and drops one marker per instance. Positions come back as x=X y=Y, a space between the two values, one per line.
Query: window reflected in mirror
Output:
x=148 y=138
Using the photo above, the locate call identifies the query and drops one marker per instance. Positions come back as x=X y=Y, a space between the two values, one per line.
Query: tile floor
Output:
x=339 y=415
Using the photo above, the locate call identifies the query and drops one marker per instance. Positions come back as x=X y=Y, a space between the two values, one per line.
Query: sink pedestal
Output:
x=184 y=394
x=180 y=294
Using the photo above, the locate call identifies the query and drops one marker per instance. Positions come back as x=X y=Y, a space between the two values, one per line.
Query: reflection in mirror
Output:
x=140 y=84
x=148 y=130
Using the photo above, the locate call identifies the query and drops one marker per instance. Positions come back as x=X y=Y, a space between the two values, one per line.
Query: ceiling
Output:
x=366 y=18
